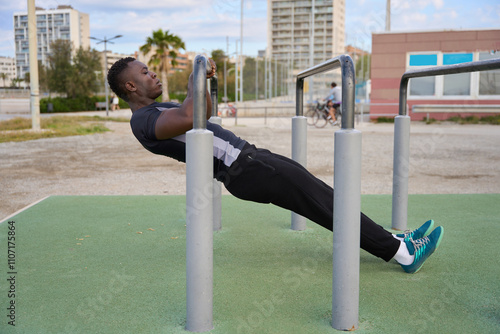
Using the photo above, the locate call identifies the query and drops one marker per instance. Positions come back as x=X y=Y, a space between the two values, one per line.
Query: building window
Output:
x=483 y=84
x=425 y=86
x=489 y=81
x=456 y=84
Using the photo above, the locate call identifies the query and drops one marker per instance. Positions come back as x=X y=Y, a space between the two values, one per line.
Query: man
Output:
x=333 y=101
x=251 y=173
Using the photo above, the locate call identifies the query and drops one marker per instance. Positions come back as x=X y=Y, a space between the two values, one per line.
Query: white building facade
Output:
x=305 y=33
x=8 y=67
x=64 y=22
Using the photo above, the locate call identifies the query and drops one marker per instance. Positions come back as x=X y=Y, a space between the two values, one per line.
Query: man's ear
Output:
x=130 y=86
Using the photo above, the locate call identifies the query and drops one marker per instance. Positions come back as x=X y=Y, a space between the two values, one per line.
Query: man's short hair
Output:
x=334 y=84
x=114 y=77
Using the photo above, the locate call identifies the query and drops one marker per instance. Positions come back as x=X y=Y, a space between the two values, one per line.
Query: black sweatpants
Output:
x=259 y=175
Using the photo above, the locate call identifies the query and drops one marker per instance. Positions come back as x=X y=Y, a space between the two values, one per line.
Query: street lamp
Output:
x=105 y=41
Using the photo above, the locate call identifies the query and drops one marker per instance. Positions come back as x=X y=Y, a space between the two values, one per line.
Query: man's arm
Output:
x=173 y=122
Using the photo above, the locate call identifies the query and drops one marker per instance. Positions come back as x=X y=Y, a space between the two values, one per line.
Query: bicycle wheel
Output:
x=310 y=116
x=339 y=120
x=320 y=119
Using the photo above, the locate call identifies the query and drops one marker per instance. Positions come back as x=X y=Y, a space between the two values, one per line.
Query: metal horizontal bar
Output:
x=273 y=107
x=348 y=83
x=323 y=67
x=201 y=67
x=474 y=66
x=430 y=108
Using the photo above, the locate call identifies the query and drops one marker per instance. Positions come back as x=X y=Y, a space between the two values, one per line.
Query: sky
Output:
x=204 y=25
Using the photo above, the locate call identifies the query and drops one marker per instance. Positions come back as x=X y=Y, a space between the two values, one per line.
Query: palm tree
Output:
x=4 y=77
x=165 y=46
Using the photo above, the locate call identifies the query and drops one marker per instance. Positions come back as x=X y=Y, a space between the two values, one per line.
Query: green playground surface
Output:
x=116 y=264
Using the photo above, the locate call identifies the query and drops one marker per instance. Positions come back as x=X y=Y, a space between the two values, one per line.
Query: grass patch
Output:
x=493 y=119
x=384 y=120
x=19 y=129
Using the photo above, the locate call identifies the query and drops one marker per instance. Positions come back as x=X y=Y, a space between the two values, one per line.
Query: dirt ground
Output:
x=445 y=158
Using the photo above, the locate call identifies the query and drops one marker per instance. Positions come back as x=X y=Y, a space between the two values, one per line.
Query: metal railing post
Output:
x=400 y=172
x=346 y=209
x=299 y=146
x=217 y=188
x=401 y=159
x=347 y=199
x=199 y=209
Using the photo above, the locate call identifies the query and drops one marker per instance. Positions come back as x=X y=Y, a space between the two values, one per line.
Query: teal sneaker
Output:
x=422 y=248
x=420 y=232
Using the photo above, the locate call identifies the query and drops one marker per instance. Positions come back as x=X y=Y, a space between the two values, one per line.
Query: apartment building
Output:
x=182 y=59
x=63 y=22
x=305 y=32
x=111 y=59
x=7 y=67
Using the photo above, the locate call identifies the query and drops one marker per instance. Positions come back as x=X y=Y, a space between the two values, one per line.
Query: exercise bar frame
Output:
x=347 y=199
x=199 y=208
x=217 y=187
x=401 y=159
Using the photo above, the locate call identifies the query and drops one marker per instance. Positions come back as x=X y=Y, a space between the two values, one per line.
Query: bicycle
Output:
x=228 y=110
x=320 y=116
x=309 y=114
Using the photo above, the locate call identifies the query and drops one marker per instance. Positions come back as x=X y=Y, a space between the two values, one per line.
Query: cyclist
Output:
x=334 y=100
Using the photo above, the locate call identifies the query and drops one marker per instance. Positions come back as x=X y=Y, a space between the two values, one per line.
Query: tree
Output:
x=363 y=73
x=3 y=76
x=164 y=45
x=42 y=77
x=27 y=79
x=85 y=64
x=60 y=70
x=72 y=76
x=218 y=57
x=15 y=82
x=178 y=81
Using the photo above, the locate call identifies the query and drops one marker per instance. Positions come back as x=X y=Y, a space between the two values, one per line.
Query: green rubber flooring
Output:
x=116 y=264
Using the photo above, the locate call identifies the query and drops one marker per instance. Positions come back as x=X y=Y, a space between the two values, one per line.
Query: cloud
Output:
x=141 y=5
x=438 y=4
x=207 y=26
x=7 y=47
x=206 y=23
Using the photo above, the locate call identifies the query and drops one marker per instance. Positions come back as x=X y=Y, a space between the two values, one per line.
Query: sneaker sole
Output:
x=431 y=226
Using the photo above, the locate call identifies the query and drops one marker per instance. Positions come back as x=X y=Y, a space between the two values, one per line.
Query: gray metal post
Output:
x=217 y=190
x=106 y=84
x=402 y=133
x=346 y=209
x=401 y=164
x=347 y=199
x=299 y=147
x=346 y=227
x=199 y=210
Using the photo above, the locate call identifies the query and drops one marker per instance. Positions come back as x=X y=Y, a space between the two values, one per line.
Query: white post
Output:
x=33 y=59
